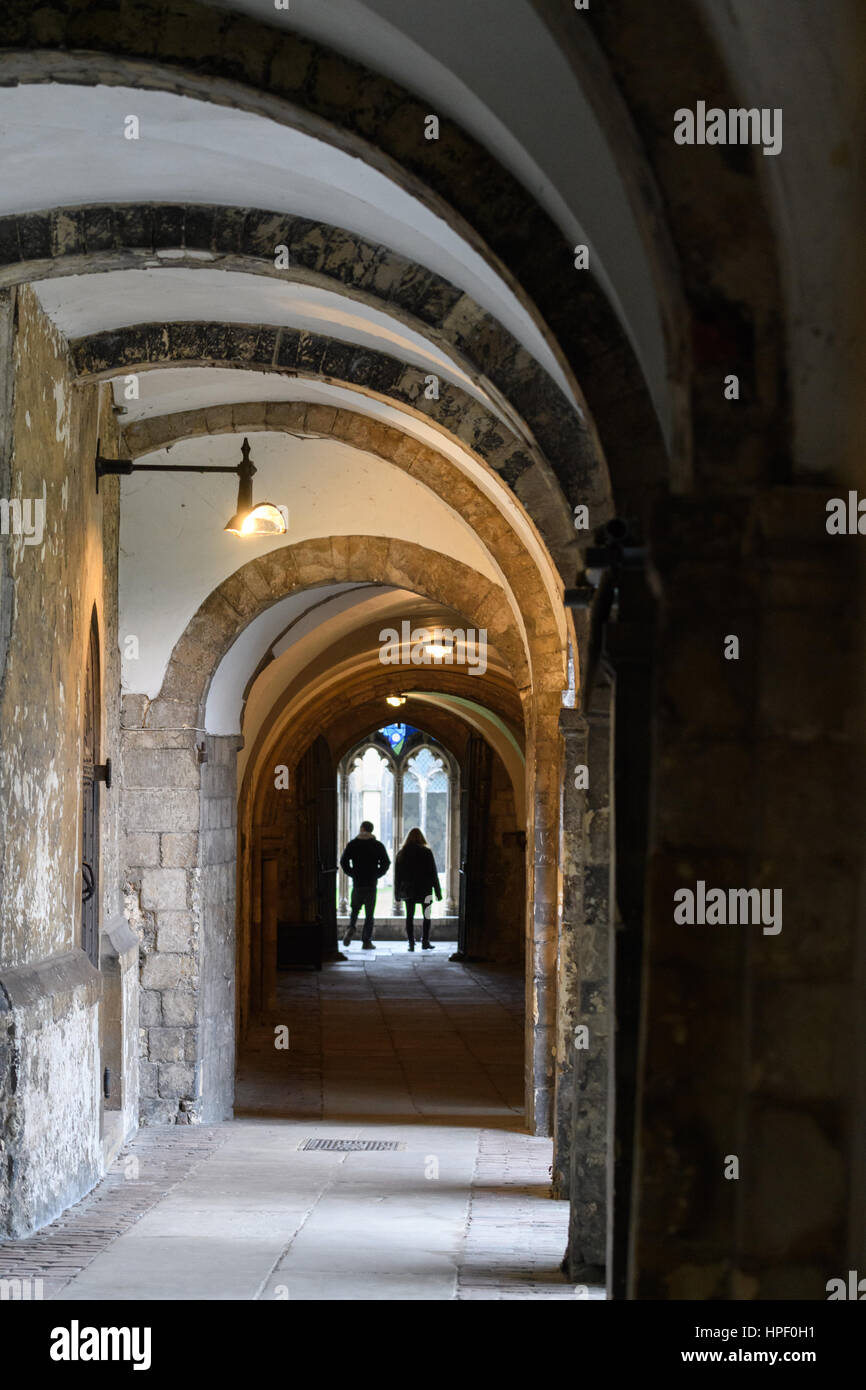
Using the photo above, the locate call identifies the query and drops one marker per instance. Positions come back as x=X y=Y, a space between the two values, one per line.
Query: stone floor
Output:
x=408 y=1049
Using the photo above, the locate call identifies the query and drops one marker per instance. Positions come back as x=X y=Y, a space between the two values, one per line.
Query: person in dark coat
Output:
x=365 y=860
x=415 y=881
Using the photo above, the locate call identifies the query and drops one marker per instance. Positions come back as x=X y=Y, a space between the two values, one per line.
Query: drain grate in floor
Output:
x=345 y=1146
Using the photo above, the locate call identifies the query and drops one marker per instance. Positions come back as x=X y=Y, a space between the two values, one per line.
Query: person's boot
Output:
x=426 y=944
x=350 y=932
x=367 y=946
x=410 y=937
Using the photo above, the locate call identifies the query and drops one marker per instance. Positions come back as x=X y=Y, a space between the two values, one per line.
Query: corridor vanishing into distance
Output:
x=416 y=1051
x=432 y=482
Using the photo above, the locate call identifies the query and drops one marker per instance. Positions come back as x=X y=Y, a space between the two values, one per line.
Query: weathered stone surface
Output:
x=166 y=1044
x=162 y=971
x=164 y=888
x=179 y=851
x=175 y=931
x=178 y=1008
x=141 y=850
x=157 y=809
x=176 y=1079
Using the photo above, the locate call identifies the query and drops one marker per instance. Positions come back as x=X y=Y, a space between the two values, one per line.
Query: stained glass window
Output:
x=397 y=734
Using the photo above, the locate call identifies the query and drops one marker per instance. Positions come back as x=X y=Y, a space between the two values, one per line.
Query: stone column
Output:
x=580 y=1147
x=218 y=899
x=397 y=822
x=452 y=886
x=749 y=1035
x=544 y=769
x=179 y=815
x=161 y=780
x=573 y=727
x=342 y=837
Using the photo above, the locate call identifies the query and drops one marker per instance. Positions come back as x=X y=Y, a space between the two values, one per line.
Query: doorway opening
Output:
x=401 y=778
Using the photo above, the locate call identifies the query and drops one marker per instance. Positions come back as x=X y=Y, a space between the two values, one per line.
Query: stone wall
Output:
x=51 y=1052
x=580 y=1155
x=180 y=854
x=751 y=1037
x=218 y=849
x=161 y=817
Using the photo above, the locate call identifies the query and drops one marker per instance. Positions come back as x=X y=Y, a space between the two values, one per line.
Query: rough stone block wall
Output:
x=53 y=1139
x=218 y=915
x=751 y=1038
x=180 y=852
x=56 y=584
x=582 y=1083
x=50 y=1055
x=161 y=788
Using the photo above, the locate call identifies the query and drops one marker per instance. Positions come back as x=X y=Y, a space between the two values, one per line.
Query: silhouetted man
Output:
x=365 y=860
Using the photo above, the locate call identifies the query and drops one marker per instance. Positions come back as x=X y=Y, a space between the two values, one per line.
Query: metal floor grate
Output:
x=350 y=1145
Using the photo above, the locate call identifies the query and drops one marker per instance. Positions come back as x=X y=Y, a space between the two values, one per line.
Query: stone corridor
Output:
x=415 y=1050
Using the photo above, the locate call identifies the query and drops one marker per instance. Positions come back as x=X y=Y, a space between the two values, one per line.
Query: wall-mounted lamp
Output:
x=395 y=700
x=265 y=519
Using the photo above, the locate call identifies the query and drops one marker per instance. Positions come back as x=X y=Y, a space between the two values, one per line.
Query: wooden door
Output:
x=317 y=841
x=474 y=817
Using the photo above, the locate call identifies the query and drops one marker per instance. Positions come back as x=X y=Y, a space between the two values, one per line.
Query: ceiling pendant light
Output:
x=395 y=700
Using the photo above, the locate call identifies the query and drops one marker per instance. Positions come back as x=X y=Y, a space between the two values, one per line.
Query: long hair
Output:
x=414 y=838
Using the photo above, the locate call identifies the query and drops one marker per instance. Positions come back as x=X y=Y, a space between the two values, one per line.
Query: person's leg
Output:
x=355 y=904
x=426 y=944
x=369 y=910
x=410 y=923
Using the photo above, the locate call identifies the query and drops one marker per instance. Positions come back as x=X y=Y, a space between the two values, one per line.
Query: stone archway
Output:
x=515 y=459
x=180 y=805
x=429 y=466
x=96 y=240
x=239 y=62
x=349 y=713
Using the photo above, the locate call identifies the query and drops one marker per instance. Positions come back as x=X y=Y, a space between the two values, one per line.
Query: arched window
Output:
x=369 y=776
x=426 y=803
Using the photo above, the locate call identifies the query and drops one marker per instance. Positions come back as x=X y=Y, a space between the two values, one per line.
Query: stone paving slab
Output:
x=428 y=1054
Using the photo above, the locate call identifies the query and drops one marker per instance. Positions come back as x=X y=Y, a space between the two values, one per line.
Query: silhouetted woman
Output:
x=415 y=881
